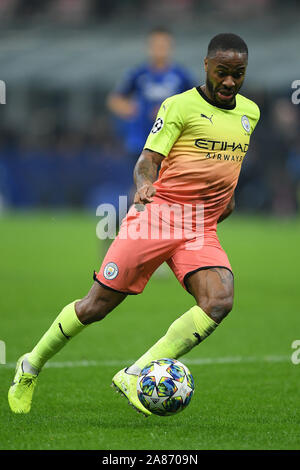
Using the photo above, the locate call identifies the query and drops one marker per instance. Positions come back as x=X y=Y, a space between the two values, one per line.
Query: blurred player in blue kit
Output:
x=137 y=98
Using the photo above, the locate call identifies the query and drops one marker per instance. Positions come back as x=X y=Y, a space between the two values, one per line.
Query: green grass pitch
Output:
x=247 y=389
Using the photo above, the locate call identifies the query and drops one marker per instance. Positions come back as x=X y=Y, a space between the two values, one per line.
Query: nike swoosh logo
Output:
x=66 y=336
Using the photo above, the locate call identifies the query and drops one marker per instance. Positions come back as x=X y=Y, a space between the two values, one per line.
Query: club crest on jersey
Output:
x=110 y=271
x=246 y=123
x=157 y=126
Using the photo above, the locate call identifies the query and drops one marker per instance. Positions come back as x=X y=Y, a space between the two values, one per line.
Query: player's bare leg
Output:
x=98 y=303
x=213 y=291
x=72 y=319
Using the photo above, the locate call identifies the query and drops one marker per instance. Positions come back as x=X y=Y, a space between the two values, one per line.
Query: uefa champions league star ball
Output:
x=165 y=387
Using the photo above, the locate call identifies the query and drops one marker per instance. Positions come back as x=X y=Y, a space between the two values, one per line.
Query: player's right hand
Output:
x=144 y=194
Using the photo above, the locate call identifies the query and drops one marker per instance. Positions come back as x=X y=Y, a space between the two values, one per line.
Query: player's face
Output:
x=160 y=47
x=225 y=74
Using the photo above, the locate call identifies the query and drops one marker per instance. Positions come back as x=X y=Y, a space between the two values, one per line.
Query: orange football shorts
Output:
x=156 y=234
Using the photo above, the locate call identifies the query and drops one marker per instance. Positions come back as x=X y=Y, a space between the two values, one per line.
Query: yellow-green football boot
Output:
x=22 y=388
x=126 y=384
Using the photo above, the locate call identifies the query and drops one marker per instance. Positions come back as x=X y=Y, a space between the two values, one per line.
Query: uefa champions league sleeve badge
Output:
x=157 y=126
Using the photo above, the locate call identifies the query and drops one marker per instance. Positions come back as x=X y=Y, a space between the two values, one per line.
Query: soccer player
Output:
x=138 y=96
x=200 y=139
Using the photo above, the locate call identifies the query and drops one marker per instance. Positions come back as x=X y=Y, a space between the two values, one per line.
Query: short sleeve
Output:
x=166 y=129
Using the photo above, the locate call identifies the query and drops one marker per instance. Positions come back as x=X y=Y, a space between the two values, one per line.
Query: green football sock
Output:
x=64 y=327
x=185 y=333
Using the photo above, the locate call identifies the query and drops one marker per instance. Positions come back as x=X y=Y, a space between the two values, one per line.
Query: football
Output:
x=165 y=387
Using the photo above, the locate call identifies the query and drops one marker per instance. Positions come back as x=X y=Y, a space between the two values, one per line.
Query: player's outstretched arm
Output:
x=145 y=173
x=229 y=209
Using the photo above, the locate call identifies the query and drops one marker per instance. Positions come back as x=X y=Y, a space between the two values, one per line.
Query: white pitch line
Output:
x=197 y=361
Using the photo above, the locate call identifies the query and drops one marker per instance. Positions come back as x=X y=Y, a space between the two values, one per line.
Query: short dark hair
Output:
x=226 y=42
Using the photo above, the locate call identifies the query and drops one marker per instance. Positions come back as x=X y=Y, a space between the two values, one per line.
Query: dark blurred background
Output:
x=61 y=147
